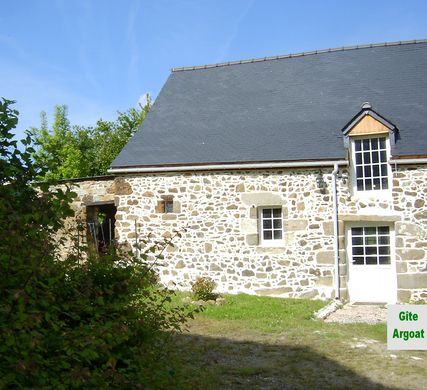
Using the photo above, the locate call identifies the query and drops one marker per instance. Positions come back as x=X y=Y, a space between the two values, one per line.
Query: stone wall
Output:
x=220 y=211
x=221 y=241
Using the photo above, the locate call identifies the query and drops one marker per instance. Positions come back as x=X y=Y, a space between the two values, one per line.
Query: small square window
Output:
x=166 y=205
x=271 y=225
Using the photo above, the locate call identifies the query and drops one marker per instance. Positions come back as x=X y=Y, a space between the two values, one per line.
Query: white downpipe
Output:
x=335 y=220
x=220 y=167
x=408 y=161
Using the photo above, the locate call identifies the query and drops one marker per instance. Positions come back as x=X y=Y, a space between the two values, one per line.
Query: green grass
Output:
x=266 y=314
x=264 y=342
x=277 y=315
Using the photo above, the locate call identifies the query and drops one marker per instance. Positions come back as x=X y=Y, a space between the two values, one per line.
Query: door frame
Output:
x=391 y=267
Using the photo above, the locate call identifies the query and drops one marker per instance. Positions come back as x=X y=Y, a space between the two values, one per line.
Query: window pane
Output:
x=371 y=250
x=382 y=143
x=377 y=184
x=383 y=169
x=367 y=171
x=375 y=170
x=358 y=251
x=384 y=182
x=375 y=157
x=384 y=250
x=384 y=259
x=366 y=144
x=277 y=223
x=359 y=171
x=277 y=234
x=358 y=158
x=266 y=224
x=370 y=241
x=358 y=260
x=383 y=240
x=371 y=260
x=267 y=235
x=360 y=184
x=356 y=231
x=367 y=158
x=357 y=240
x=371 y=230
x=383 y=230
x=368 y=184
x=277 y=213
x=374 y=143
x=358 y=145
x=266 y=212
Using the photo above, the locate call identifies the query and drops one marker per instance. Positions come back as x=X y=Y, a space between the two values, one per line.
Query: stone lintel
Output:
x=369 y=218
x=262 y=199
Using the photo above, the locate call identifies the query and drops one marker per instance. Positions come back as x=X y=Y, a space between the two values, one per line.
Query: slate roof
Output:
x=285 y=108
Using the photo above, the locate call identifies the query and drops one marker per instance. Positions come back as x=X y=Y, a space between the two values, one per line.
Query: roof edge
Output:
x=302 y=54
x=228 y=166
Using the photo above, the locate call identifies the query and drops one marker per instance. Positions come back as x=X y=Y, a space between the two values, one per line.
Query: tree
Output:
x=65 y=323
x=79 y=151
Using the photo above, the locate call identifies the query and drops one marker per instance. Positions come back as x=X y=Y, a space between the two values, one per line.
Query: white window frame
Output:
x=382 y=193
x=390 y=245
x=278 y=242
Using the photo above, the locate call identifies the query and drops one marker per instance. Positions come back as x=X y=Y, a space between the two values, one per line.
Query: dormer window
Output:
x=369 y=137
x=370 y=164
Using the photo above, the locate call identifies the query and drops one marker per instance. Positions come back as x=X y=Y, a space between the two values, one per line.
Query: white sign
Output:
x=407 y=327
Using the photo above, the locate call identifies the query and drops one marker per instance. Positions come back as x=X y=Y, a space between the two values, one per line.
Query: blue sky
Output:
x=98 y=57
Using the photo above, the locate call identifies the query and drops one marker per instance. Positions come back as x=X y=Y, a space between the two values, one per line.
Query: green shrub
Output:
x=101 y=323
x=203 y=289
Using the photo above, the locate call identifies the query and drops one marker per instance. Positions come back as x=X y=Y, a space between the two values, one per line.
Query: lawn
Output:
x=271 y=343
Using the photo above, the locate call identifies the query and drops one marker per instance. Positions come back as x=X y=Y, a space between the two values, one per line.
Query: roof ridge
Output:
x=302 y=54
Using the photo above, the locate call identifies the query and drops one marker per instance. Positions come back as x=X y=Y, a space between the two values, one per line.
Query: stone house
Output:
x=298 y=176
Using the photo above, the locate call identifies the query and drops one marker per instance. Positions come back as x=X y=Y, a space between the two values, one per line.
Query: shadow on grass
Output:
x=221 y=363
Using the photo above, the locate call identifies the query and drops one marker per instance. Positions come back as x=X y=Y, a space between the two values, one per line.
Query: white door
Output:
x=372 y=269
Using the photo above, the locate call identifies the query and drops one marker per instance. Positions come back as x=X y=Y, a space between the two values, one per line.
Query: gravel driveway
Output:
x=349 y=314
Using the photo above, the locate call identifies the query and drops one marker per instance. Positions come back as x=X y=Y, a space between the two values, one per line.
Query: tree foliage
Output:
x=68 y=151
x=67 y=323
